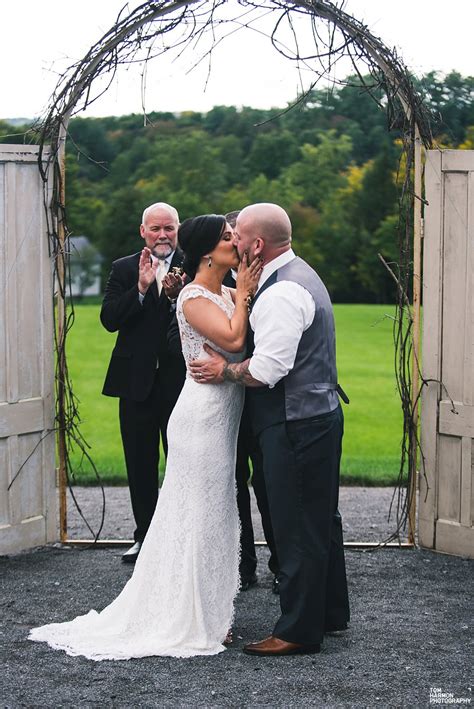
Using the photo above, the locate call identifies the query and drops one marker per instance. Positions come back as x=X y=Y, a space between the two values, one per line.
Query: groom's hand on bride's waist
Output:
x=208 y=371
x=217 y=369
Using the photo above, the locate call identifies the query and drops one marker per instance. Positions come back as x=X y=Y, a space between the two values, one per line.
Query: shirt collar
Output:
x=167 y=260
x=275 y=264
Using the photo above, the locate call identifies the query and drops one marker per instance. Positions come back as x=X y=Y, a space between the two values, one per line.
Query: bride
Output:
x=179 y=600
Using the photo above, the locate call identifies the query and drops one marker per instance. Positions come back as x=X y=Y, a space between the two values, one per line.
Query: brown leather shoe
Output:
x=275 y=647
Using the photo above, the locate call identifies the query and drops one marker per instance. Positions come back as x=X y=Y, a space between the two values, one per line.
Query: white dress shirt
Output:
x=167 y=262
x=279 y=317
x=141 y=297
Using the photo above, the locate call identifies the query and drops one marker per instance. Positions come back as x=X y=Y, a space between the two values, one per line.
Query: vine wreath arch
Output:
x=159 y=26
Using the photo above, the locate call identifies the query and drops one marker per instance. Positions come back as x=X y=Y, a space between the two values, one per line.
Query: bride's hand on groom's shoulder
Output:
x=208 y=371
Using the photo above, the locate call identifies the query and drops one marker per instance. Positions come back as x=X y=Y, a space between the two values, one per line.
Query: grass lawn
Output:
x=365 y=362
x=373 y=419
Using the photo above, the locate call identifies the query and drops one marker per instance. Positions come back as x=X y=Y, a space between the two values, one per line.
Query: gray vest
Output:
x=309 y=389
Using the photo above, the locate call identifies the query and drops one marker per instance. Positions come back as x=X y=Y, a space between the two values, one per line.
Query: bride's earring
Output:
x=209 y=262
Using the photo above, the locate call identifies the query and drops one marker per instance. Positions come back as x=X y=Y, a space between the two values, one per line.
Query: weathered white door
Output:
x=446 y=511
x=28 y=498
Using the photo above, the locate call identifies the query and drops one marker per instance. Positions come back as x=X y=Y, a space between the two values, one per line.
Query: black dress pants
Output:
x=301 y=465
x=248 y=448
x=141 y=425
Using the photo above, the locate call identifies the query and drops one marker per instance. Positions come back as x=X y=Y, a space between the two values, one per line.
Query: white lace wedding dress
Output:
x=179 y=601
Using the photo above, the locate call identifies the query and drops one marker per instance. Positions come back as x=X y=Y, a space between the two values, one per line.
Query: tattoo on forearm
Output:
x=239 y=374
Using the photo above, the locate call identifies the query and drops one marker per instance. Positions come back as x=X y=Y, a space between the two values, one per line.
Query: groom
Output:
x=293 y=398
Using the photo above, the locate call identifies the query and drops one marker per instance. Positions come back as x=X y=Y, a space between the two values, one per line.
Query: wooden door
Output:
x=28 y=498
x=446 y=510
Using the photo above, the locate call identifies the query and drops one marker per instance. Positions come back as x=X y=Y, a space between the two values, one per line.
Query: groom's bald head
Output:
x=263 y=229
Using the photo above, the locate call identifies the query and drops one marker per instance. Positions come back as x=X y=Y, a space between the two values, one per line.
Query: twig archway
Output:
x=161 y=26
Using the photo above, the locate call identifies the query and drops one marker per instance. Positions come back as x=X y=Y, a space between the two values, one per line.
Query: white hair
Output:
x=160 y=205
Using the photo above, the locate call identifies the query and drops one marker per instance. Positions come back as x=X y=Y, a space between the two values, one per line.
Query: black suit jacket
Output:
x=142 y=335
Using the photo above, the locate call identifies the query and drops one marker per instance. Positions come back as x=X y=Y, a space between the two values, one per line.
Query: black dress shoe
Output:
x=131 y=555
x=247 y=581
x=276 y=586
x=334 y=629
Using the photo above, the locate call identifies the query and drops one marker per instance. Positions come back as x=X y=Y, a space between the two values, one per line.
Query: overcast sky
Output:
x=40 y=39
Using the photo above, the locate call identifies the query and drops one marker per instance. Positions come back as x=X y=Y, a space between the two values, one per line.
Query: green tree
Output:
x=84 y=203
x=17 y=133
x=468 y=143
x=119 y=226
x=371 y=273
x=451 y=100
x=319 y=169
x=329 y=161
x=129 y=163
x=305 y=222
x=261 y=189
x=271 y=152
x=374 y=216
x=337 y=235
x=348 y=110
x=89 y=142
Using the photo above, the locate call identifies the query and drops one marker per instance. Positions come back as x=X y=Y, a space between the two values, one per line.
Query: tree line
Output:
x=330 y=161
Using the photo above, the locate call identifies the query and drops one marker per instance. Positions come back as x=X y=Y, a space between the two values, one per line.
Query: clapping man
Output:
x=143 y=373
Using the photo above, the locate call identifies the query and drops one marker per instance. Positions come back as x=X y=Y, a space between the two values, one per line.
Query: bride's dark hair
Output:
x=198 y=236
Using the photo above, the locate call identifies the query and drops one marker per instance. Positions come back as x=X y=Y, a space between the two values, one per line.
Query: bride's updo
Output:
x=197 y=237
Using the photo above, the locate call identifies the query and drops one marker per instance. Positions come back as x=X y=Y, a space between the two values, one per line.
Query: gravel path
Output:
x=410 y=633
x=365 y=513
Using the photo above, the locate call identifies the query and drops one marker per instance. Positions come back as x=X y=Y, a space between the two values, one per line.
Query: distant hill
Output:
x=18 y=121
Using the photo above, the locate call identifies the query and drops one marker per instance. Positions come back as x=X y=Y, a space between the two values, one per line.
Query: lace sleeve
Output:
x=193 y=291
x=191 y=340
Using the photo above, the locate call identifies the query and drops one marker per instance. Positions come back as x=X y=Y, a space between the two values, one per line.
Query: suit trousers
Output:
x=248 y=448
x=301 y=467
x=141 y=425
